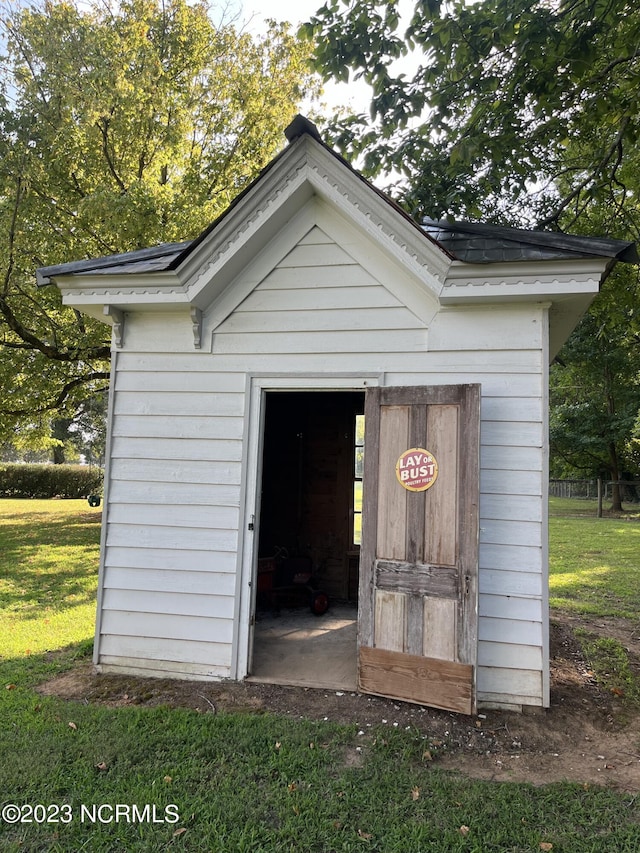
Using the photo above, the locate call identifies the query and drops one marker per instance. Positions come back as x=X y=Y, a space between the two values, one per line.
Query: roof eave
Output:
x=523 y=281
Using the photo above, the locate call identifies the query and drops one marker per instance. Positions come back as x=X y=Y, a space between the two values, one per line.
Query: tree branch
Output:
x=59 y=206
x=611 y=150
x=62 y=396
x=15 y=345
x=54 y=353
x=621 y=60
x=12 y=236
x=103 y=127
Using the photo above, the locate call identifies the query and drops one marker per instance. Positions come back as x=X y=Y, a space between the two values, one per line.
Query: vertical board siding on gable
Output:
x=173 y=513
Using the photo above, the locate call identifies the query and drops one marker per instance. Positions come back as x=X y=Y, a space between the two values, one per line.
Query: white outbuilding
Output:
x=243 y=363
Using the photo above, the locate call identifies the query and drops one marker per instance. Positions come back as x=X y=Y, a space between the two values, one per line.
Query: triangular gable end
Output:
x=306 y=185
x=309 y=186
x=315 y=294
x=341 y=249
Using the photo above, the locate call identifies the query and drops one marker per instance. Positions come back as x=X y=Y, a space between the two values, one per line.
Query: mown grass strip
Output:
x=264 y=783
x=593 y=562
x=240 y=782
x=49 y=557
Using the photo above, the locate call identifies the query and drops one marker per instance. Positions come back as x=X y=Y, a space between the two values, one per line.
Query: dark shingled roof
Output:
x=156 y=259
x=476 y=243
x=470 y=242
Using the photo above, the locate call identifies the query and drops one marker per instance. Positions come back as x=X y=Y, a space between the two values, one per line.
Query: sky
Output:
x=355 y=95
x=296 y=12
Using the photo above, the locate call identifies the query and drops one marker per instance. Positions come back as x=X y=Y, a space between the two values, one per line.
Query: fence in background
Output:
x=573 y=488
x=599 y=490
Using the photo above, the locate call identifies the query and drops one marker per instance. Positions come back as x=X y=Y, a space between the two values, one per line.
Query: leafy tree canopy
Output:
x=518 y=110
x=122 y=125
x=524 y=112
x=595 y=388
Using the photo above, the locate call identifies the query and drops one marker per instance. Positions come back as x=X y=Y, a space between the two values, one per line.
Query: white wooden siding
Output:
x=200 y=517
x=504 y=483
x=212 y=657
x=185 y=404
x=203 y=582
x=308 y=342
x=169 y=577
x=178 y=443
x=182 y=471
x=145 y=601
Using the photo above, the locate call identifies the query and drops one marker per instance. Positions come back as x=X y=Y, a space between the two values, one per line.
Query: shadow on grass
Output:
x=31 y=670
x=48 y=563
x=600 y=590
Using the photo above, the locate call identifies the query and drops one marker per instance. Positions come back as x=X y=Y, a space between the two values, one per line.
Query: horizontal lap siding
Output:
x=200 y=580
x=318 y=300
x=174 y=560
x=177 y=452
x=162 y=625
x=505 y=356
x=136 y=533
x=207 y=605
x=169 y=577
x=171 y=656
x=302 y=343
x=502 y=349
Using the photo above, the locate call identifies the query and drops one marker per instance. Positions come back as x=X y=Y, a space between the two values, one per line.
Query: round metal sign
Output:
x=417 y=469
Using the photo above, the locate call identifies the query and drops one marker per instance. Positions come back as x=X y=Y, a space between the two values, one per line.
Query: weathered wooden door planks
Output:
x=419 y=557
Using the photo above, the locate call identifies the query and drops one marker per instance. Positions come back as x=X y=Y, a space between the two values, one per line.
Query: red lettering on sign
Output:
x=417 y=469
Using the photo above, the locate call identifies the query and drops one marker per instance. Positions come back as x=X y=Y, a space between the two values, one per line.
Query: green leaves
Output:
x=595 y=387
x=501 y=86
x=518 y=110
x=122 y=125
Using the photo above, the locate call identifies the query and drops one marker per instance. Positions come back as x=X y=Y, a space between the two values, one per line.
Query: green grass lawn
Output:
x=49 y=553
x=594 y=563
x=228 y=783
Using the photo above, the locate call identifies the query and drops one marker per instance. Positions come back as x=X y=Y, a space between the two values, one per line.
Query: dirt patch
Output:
x=588 y=735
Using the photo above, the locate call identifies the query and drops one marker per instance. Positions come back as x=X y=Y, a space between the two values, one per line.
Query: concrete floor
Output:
x=297 y=648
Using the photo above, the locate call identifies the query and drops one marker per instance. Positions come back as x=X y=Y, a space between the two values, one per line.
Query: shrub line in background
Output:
x=49 y=481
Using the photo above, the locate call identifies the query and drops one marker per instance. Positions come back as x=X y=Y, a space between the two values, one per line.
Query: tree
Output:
x=520 y=110
x=122 y=125
x=523 y=112
x=595 y=390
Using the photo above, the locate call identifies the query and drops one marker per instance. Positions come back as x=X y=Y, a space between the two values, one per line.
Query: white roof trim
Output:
x=305 y=170
x=527 y=281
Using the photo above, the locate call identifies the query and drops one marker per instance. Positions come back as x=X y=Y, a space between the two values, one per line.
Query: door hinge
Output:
x=251 y=524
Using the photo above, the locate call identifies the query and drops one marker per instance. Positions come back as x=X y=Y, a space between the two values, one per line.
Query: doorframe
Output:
x=258 y=384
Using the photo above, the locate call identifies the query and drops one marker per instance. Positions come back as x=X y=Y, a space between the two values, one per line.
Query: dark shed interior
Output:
x=308 y=480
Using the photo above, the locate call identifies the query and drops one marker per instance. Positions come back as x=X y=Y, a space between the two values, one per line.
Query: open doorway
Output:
x=308 y=543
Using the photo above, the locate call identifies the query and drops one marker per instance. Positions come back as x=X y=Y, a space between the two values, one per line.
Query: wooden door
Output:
x=418 y=611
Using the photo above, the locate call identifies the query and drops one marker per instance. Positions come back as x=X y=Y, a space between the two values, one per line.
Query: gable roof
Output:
x=169 y=256
x=472 y=243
